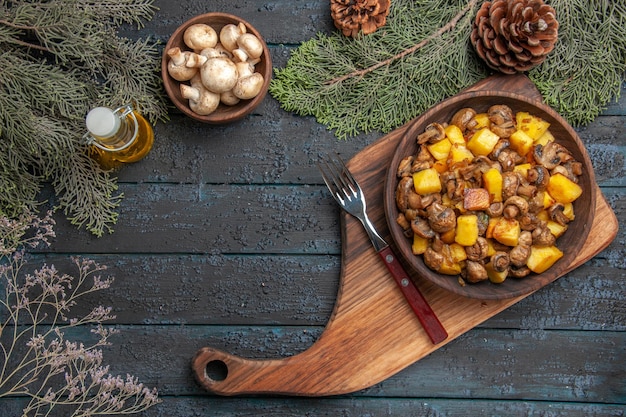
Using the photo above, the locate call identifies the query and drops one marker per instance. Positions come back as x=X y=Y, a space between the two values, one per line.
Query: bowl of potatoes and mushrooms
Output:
x=490 y=195
x=216 y=68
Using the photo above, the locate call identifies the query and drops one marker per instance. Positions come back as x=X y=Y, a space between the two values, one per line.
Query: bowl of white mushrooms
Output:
x=216 y=68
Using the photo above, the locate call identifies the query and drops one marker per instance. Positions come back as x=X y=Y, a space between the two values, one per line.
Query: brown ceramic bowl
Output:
x=224 y=113
x=570 y=243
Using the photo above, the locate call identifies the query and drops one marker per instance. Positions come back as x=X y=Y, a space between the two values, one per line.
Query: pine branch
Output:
x=587 y=68
x=448 y=26
x=82 y=180
x=423 y=55
x=314 y=82
x=59 y=59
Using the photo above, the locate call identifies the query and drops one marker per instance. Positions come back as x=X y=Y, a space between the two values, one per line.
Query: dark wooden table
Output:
x=228 y=238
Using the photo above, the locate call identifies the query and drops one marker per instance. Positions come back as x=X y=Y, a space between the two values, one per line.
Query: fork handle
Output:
x=418 y=303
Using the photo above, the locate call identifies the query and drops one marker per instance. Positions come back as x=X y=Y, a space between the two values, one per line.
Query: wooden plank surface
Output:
x=558 y=352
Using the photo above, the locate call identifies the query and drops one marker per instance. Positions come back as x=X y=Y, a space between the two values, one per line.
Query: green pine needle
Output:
x=580 y=76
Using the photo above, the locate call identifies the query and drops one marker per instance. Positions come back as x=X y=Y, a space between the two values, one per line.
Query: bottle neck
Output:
x=118 y=129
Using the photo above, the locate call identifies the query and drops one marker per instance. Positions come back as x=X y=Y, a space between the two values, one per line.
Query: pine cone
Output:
x=351 y=16
x=514 y=35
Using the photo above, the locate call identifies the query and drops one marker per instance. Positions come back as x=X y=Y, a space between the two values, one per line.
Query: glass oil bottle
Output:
x=118 y=136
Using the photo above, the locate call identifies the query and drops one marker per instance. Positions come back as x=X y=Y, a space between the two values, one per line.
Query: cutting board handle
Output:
x=214 y=368
x=225 y=374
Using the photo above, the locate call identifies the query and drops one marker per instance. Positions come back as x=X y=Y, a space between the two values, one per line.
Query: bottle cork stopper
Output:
x=102 y=122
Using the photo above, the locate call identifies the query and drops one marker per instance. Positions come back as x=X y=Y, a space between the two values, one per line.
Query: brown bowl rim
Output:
x=224 y=114
x=511 y=287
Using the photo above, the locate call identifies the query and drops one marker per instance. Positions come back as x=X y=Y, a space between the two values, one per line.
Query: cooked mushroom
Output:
x=433 y=259
x=405 y=224
x=454 y=186
x=438 y=245
x=510 y=182
x=420 y=165
x=514 y=207
x=441 y=218
x=424 y=155
x=403 y=190
x=575 y=168
x=539 y=176
x=410 y=214
x=570 y=169
x=464 y=119
x=485 y=163
x=520 y=253
x=421 y=227
x=555 y=211
x=526 y=190
x=472 y=173
x=474 y=272
x=429 y=199
x=551 y=155
x=542 y=236
x=495 y=209
x=518 y=271
x=433 y=133
x=529 y=221
x=478 y=251
x=502 y=120
x=501 y=145
x=422 y=160
x=508 y=158
x=500 y=261
x=535 y=204
x=404 y=167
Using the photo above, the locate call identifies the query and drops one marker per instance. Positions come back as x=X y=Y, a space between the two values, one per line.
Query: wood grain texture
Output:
x=187 y=289
x=371 y=316
x=557 y=352
x=365 y=407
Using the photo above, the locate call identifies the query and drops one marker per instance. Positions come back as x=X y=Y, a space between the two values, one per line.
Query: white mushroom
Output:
x=196 y=81
x=210 y=53
x=248 y=47
x=229 y=34
x=201 y=100
x=195 y=60
x=244 y=69
x=229 y=98
x=177 y=65
x=219 y=74
x=217 y=50
x=248 y=87
x=223 y=51
x=200 y=36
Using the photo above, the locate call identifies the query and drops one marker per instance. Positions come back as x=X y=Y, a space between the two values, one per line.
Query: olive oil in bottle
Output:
x=118 y=136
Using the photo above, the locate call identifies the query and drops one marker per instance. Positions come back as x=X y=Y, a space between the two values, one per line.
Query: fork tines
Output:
x=338 y=178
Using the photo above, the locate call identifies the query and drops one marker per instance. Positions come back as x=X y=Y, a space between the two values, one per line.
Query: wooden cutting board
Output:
x=372 y=333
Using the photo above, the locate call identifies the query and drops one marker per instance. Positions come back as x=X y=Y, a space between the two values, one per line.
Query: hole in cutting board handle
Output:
x=216 y=370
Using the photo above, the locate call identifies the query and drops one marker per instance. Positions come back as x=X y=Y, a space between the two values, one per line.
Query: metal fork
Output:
x=347 y=192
